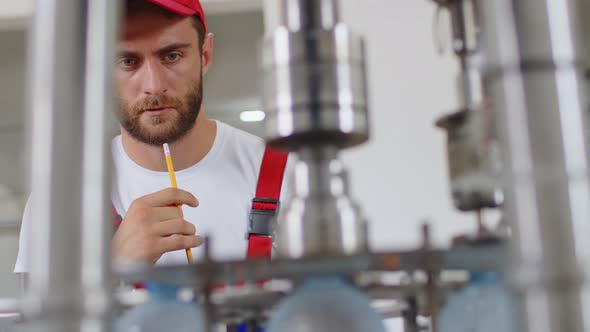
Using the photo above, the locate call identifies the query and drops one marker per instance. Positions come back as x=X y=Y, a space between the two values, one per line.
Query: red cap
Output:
x=183 y=8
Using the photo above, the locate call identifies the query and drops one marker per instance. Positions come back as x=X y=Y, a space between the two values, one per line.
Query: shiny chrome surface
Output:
x=314 y=87
x=103 y=22
x=71 y=58
x=56 y=99
x=314 y=93
x=466 y=44
x=472 y=150
x=321 y=218
x=534 y=70
x=299 y=15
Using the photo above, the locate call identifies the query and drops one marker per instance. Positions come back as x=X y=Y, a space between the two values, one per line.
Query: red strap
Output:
x=270 y=178
x=259 y=246
x=116 y=219
x=270 y=181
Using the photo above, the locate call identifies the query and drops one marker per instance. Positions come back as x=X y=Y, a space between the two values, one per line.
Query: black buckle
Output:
x=260 y=222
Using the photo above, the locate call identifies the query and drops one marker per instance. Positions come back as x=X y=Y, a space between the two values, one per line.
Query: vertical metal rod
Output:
x=56 y=99
x=309 y=14
x=103 y=22
x=465 y=45
x=410 y=316
x=533 y=67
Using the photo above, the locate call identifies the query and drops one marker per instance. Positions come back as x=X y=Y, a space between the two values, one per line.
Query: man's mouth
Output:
x=154 y=111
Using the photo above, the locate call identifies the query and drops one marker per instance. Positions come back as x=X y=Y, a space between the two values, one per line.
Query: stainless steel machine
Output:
x=473 y=153
x=474 y=164
x=313 y=70
x=525 y=97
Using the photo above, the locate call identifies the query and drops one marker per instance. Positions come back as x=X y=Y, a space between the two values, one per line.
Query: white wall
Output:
x=231 y=83
x=400 y=176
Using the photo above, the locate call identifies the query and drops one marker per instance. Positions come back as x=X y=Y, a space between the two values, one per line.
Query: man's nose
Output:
x=153 y=79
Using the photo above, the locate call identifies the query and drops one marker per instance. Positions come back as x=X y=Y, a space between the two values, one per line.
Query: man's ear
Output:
x=207 y=56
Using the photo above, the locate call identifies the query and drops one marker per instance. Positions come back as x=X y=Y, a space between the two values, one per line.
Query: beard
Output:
x=165 y=128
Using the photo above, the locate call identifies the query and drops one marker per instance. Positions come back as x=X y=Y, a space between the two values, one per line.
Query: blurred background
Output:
x=399 y=177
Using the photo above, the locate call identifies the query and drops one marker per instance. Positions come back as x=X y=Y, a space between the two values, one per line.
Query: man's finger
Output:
x=179 y=242
x=170 y=197
x=174 y=226
x=166 y=213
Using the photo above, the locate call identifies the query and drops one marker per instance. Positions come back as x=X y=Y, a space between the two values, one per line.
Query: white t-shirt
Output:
x=224 y=182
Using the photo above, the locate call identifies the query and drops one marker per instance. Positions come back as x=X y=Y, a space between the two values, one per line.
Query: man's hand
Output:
x=153 y=226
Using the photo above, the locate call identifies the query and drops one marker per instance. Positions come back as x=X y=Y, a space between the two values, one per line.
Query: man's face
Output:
x=159 y=77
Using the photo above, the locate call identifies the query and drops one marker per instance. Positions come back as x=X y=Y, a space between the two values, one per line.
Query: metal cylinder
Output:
x=57 y=70
x=472 y=159
x=314 y=89
x=314 y=93
x=299 y=15
x=71 y=57
x=471 y=144
x=103 y=19
x=321 y=218
x=465 y=33
x=534 y=70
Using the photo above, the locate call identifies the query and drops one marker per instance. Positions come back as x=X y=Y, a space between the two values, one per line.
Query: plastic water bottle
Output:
x=326 y=305
x=163 y=312
x=483 y=305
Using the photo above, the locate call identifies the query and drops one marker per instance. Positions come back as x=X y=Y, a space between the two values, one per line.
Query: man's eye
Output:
x=127 y=62
x=172 y=57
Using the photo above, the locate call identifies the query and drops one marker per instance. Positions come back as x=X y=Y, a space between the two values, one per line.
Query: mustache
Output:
x=155 y=102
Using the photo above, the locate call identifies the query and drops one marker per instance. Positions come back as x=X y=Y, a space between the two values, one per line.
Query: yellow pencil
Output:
x=170 y=166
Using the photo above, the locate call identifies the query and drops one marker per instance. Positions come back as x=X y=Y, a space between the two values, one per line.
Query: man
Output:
x=163 y=54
